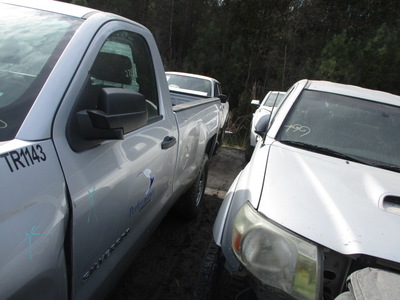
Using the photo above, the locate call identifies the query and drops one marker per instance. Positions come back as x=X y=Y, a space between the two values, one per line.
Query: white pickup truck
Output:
x=92 y=152
x=187 y=87
x=317 y=206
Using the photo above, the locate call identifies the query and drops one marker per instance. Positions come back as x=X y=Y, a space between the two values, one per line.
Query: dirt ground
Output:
x=168 y=265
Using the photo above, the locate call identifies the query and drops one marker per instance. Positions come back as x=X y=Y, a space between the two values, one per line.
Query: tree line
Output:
x=254 y=46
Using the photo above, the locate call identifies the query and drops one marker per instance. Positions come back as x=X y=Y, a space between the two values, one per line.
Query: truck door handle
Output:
x=168 y=142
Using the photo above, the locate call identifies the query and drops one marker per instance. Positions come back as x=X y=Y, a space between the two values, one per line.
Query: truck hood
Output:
x=345 y=206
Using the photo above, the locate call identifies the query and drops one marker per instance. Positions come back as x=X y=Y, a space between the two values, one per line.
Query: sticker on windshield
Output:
x=300 y=129
x=24 y=157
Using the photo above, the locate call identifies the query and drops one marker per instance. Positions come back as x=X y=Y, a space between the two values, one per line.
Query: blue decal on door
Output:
x=148 y=194
x=148 y=175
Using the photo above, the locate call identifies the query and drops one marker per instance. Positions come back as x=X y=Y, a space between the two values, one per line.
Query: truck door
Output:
x=118 y=187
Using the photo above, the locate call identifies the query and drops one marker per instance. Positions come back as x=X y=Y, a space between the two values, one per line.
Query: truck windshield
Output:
x=341 y=126
x=30 y=43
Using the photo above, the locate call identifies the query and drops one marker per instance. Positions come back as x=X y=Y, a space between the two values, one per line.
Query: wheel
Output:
x=190 y=204
x=214 y=281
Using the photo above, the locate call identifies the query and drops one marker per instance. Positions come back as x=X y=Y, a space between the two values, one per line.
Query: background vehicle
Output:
x=271 y=100
x=318 y=200
x=92 y=153
x=187 y=87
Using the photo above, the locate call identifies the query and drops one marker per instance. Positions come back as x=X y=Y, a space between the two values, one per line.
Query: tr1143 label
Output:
x=24 y=157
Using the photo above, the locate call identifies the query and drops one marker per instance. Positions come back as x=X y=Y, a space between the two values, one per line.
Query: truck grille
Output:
x=337 y=267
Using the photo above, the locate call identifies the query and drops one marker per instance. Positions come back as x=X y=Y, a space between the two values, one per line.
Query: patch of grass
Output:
x=235 y=140
x=237 y=131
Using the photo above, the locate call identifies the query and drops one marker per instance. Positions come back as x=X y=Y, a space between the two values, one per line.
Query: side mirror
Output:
x=119 y=111
x=255 y=102
x=223 y=98
x=262 y=124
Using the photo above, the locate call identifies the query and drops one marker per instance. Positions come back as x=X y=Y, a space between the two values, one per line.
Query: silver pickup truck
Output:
x=92 y=153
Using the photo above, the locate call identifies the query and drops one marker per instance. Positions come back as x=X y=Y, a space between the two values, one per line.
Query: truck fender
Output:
x=220 y=221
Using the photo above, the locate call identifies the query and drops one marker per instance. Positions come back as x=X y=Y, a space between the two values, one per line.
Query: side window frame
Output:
x=280 y=105
x=143 y=79
x=89 y=100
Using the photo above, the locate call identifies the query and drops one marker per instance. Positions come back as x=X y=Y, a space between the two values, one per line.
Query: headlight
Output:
x=275 y=256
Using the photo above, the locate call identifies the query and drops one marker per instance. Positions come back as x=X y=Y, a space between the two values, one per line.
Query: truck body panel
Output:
x=32 y=231
x=82 y=188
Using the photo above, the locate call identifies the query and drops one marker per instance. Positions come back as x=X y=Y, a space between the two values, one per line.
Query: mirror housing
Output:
x=119 y=111
x=223 y=98
x=262 y=125
x=255 y=102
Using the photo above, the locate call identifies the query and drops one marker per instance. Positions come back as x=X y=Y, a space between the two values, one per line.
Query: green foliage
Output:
x=80 y=2
x=371 y=60
x=254 y=46
x=238 y=128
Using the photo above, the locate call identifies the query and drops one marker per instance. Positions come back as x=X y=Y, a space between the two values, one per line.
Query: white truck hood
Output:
x=336 y=203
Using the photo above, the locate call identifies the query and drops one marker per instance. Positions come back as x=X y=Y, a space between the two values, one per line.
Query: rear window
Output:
x=30 y=43
x=190 y=85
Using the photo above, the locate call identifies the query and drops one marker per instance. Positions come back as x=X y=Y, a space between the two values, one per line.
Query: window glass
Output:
x=188 y=84
x=31 y=41
x=125 y=61
x=274 y=99
x=276 y=109
x=217 y=90
x=355 y=127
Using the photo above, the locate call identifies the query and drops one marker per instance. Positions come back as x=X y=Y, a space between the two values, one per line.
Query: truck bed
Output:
x=181 y=97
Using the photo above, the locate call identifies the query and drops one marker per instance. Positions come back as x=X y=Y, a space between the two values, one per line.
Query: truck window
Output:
x=125 y=61
x=189 y=84
x=217 y=89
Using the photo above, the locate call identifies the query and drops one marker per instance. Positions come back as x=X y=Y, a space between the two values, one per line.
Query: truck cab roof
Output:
x=54 y=6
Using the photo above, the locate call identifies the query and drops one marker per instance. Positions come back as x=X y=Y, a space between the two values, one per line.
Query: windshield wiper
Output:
x=323 y=150
x=386 y=166
x=337 y=154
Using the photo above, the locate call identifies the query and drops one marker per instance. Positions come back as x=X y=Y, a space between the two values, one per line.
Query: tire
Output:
x=190 y=203
x=214 y=281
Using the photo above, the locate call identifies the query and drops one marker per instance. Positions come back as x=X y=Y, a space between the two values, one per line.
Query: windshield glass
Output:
x=366 y=130
x=30 y=44
x=274 y=99
x=191 y=85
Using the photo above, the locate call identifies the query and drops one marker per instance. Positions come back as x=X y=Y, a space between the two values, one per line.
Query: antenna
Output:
x=272 y=110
